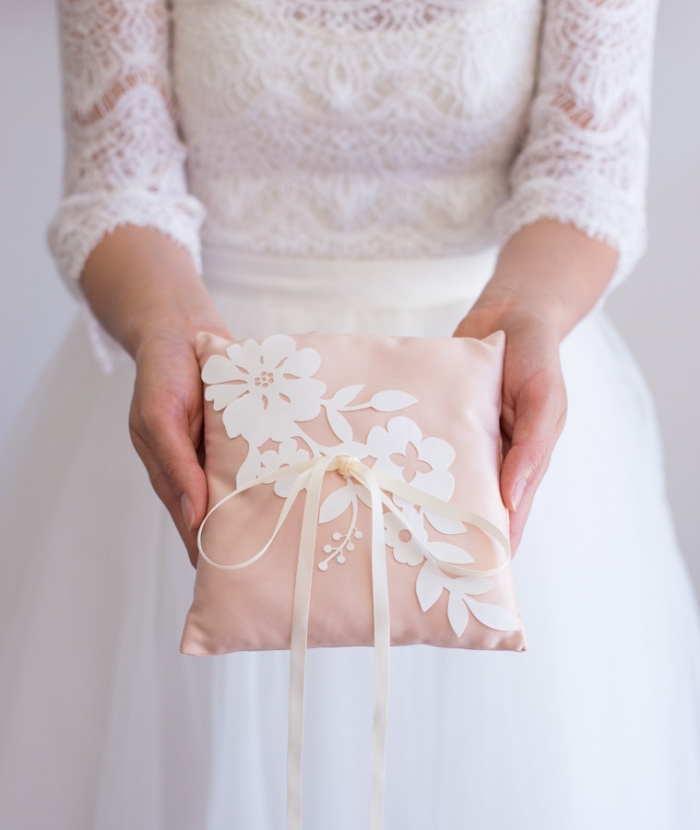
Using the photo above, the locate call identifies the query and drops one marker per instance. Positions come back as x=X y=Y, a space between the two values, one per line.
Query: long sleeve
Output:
x=124 y=159
x=584 y=158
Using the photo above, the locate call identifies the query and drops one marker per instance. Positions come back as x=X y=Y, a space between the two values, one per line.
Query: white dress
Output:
x=357 y=160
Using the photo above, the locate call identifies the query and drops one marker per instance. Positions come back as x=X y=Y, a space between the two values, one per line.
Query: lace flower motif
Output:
x=400 y=539
x=264 y=388
x=402 y=452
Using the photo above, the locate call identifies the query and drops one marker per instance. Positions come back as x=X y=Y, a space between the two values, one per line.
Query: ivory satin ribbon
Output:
x=309 y=477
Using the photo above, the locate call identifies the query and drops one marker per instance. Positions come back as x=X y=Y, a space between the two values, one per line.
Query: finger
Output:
x=518 y=520
x=168 y=496
x=172 y=432
x=167 y=437
x=534 y=422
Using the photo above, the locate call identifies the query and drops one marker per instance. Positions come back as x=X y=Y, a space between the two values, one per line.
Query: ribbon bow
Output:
x=309 y=476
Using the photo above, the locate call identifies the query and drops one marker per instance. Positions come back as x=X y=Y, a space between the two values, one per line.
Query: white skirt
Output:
x=105 y=726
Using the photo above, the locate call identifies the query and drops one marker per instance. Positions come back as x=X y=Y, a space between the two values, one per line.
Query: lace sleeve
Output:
x=584 y=157
x=124 y=160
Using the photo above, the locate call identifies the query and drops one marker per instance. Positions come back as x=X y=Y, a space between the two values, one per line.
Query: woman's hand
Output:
x=145 y=290
x=165 y=422
x=548 y=277
x=534 y=401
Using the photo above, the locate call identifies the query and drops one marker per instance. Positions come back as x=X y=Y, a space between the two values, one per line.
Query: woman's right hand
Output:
x=165 y=423
x=145 y=290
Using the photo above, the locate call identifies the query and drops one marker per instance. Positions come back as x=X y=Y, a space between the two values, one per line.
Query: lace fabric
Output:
x=310 y=140
x=368 y=15
x=584 y=160
x=348 y=127
x=124 y=160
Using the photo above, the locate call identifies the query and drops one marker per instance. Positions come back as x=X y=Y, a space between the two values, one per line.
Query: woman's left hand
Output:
x=549 y=275
x=534 y=401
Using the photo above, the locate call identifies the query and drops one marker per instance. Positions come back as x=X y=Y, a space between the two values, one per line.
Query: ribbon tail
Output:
x=310 y=476
x=382 y=640
x=300 y=625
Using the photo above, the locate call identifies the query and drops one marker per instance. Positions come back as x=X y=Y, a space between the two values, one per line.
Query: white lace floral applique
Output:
x=264 y=388
x=267 y=391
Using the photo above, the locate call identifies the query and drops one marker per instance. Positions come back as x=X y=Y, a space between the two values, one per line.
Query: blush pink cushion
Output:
x=423 y=411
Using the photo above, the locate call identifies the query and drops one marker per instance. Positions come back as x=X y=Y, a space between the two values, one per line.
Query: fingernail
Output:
x=516 y=495
x=187 y=510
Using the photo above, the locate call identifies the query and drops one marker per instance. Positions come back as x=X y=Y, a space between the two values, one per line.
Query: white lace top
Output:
x=353 y=127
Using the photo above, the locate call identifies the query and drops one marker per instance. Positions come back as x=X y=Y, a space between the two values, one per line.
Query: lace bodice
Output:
x=371 y=128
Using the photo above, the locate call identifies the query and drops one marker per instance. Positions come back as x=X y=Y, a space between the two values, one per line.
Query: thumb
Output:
x=166 y=447
x=538 y=419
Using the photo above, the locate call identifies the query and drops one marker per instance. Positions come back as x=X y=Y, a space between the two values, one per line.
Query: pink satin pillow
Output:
x=413 y=421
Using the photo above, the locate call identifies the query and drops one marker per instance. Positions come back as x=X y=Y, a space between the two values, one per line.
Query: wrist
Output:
x=143 y=286
x=175 y=322
x=549 y=271
x=504 y=307
x=523 y=318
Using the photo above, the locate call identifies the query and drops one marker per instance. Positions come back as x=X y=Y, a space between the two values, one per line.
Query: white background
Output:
x=657 y=310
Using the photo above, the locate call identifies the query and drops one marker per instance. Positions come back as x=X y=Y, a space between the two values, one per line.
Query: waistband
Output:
x=378 y=283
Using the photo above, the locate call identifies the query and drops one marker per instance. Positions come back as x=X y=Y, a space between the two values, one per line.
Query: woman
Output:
x=339 y=147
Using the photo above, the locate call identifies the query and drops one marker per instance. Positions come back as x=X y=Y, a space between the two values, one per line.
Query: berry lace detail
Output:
x=369 y=15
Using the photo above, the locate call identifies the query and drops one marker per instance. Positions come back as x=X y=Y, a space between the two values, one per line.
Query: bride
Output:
x=256 y=166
